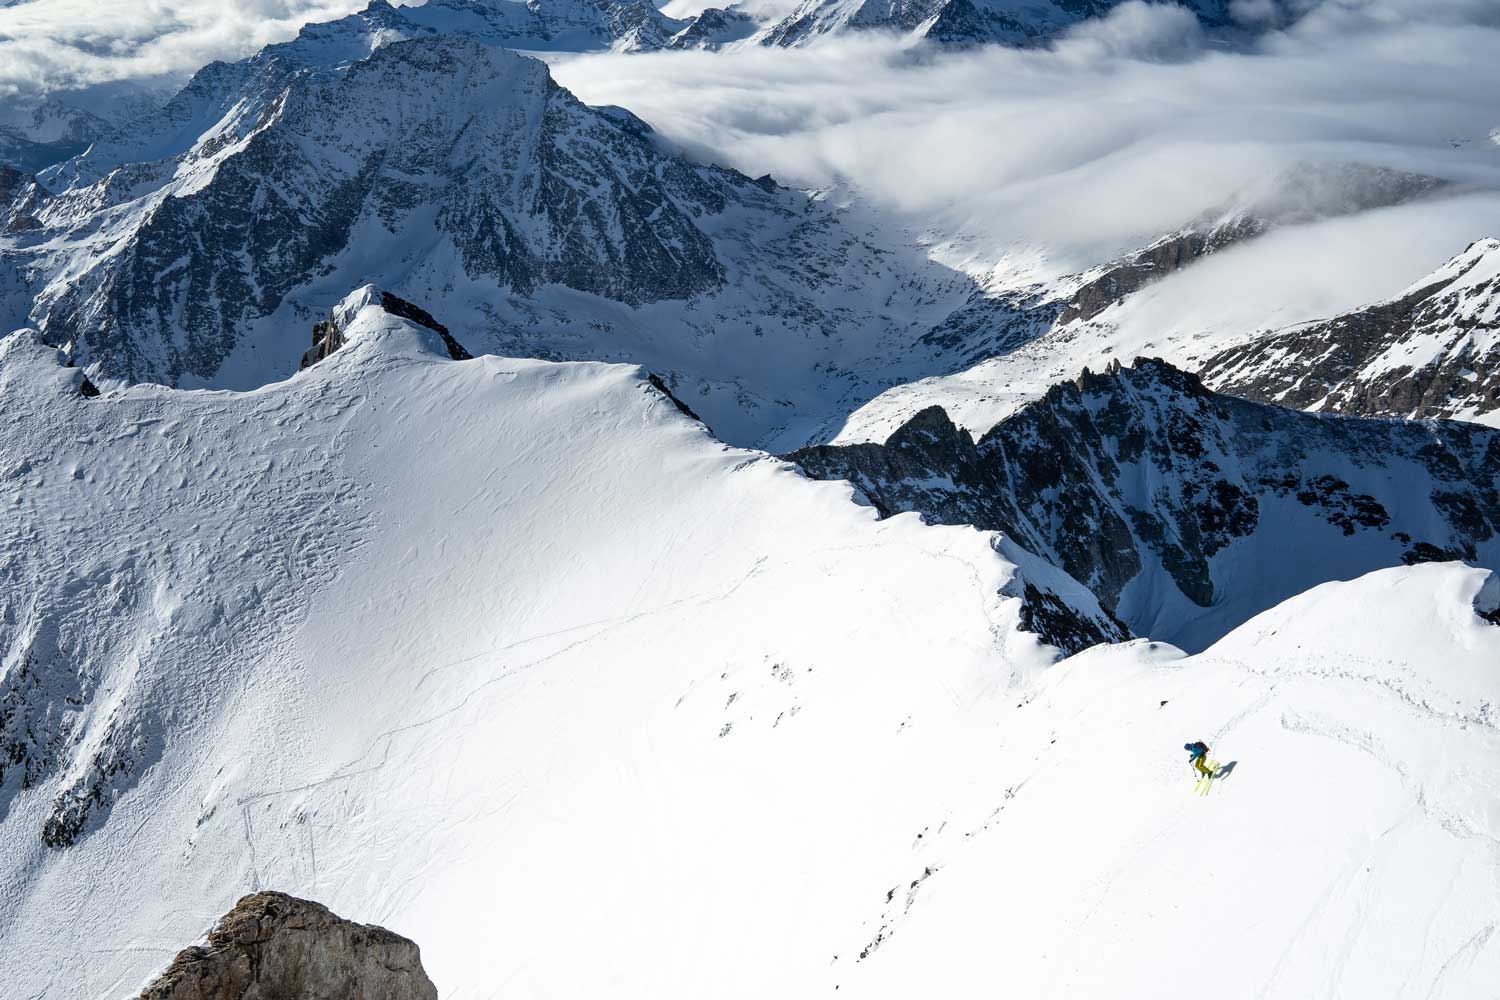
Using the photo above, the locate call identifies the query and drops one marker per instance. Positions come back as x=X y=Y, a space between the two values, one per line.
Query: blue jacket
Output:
x=1195 y=750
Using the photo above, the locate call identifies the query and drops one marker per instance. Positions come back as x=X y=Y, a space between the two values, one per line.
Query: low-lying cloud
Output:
x=1125 y=129
x=51 y=46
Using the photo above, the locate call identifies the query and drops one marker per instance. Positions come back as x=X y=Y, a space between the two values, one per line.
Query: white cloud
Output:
x=1125 y=129
x=1153 y=32
x=48 y=46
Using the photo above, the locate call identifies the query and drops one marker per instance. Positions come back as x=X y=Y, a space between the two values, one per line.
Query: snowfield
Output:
x=516 y=659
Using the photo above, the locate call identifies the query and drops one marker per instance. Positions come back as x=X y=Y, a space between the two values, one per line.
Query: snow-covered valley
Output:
x=630 y=559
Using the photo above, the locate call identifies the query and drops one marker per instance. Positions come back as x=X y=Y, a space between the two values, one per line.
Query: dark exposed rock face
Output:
x=659 y=384
x=1060 y=624
x=473 y=145
x=272 y=946
x=1143 y=470
x=1433 y=352
x=1111 y=283
x=326 y=338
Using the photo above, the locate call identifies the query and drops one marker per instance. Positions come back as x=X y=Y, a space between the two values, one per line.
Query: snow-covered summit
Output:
x=371 y=321
x=449 y=170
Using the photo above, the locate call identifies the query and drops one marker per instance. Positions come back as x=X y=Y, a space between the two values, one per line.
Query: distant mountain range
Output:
x=960 y=22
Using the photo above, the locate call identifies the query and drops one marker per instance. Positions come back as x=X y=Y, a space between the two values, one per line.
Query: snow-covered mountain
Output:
x=715 y=28
x=1184 y=511
x=249 y=87
x=457 y=172
x=1432 y=351
x=508 y=651
x=959 y=22
x=441 y=618
x=37 y=134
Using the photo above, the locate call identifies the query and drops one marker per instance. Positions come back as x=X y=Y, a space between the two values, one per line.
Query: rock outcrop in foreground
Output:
x=272 y=946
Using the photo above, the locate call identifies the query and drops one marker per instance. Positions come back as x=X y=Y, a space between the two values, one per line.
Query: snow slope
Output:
x=1211 y=306
x=1349 y=853
x=39 y=133
x=397 y=577
x=514 y=658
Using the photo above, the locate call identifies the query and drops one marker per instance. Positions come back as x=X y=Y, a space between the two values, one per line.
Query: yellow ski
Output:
x=1207 y=781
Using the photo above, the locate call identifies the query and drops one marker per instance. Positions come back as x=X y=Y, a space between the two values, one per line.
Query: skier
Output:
x=1199 y=757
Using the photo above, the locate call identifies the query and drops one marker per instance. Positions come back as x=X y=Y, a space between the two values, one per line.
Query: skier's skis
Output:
x=1207 y=781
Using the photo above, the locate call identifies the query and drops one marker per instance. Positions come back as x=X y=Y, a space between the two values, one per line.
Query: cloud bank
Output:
x=1126 y=128
x=50 y=46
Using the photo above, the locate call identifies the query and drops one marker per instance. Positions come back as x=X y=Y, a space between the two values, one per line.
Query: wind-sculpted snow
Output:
x=1185 y=511
x=512 y=651
x=1433 y=351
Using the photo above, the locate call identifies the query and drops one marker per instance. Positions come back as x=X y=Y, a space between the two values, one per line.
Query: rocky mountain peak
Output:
x=442 y=142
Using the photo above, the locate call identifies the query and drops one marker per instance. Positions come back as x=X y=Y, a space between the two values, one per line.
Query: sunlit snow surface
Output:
x=515 y=659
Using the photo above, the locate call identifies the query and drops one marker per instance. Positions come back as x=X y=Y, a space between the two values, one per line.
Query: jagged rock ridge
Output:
x=1140 y=479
